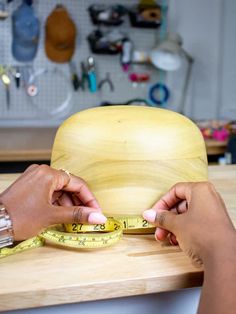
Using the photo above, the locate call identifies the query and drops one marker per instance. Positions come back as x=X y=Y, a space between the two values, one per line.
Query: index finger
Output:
x=78 y=186
x=178 y=193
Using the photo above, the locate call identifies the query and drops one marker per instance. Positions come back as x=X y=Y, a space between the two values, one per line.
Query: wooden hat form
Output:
x=130 y=155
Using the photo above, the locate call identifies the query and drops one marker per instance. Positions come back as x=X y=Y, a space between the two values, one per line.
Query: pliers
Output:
x=107 y=80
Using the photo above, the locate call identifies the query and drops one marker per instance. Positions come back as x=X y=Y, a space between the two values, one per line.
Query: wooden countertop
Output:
x=23 y=144
x=214 y=147
x=136 y=265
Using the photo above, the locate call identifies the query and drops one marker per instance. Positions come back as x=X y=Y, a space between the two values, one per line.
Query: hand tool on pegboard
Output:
x=74 y=76
x=5 y=78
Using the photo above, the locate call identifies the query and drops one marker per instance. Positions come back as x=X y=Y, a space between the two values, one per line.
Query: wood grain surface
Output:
x=130 y=155
x=136 y=265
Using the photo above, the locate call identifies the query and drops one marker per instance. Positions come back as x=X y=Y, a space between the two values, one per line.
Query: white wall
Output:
x=228 y=79
x=208 y=30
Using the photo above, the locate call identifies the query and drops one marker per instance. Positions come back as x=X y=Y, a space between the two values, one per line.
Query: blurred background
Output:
x=61 y=57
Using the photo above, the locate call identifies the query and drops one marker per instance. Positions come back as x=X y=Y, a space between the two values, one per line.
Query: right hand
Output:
x=193 y=215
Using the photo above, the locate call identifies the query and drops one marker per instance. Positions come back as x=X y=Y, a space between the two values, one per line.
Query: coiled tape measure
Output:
x=84 y=236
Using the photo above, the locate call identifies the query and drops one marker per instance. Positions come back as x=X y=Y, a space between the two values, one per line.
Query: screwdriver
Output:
x=74 y=77
x=91 y=75
x=17 y=77
x=84 y=75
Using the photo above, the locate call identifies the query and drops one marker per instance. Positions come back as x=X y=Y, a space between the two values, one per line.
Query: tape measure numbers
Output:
x=77 y=235
x=135 y=224
x=131 y=223
x=84 y=236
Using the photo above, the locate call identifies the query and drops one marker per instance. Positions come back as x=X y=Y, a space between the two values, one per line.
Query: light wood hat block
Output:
x=130 y=155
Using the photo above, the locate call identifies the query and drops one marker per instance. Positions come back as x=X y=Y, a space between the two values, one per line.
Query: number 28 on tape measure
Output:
x=125 y=222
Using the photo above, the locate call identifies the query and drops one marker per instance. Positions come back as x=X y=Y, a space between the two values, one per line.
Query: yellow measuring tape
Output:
x=83 y=236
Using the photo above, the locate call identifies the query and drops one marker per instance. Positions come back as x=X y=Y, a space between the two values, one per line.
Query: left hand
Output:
x=43 y=196
x=194 y=216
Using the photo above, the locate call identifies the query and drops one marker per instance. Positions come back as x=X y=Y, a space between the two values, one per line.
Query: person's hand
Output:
x=43 y=196
x=193 y=215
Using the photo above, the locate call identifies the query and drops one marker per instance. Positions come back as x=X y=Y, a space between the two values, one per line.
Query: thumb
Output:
x=77 y=214
x=161 y=218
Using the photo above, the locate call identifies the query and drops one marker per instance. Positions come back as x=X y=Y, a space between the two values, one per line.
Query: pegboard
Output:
x=57 y=99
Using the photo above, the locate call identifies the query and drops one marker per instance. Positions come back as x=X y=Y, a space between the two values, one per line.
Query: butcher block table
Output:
x=137 y=265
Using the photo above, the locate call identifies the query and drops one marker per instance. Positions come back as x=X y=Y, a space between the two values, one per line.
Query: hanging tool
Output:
x=17 y=76
x=83 y=76
x=92 y=80
x=74 y=77
x=6 y=81
x=106 y=80
x=126 y=54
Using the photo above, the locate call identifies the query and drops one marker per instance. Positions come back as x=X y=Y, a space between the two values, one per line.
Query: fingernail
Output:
x=149 y=215
x=96 y=218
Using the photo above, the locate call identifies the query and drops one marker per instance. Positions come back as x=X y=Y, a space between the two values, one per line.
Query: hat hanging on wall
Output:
x=25 y=29
x=60 y=35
